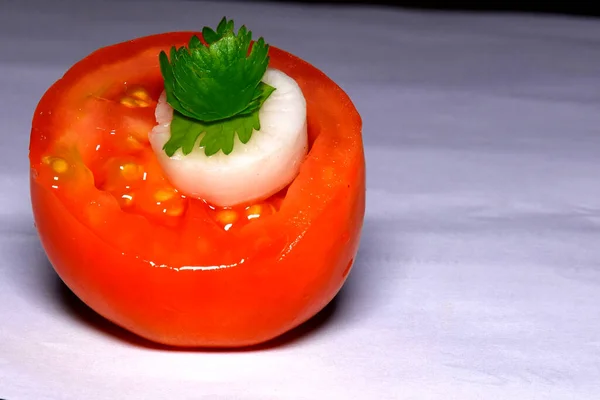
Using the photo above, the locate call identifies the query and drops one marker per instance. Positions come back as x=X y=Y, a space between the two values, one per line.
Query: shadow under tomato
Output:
x=84 y=314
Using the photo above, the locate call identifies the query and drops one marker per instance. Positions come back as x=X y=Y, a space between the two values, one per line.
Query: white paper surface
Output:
x=478 y=275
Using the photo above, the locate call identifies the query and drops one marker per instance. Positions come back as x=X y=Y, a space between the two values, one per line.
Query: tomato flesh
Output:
x=173 y=269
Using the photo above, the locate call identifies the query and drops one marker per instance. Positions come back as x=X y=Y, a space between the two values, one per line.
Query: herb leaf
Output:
x=215 y=89
x=218 y=81
x=217 y=136
x=211 y=36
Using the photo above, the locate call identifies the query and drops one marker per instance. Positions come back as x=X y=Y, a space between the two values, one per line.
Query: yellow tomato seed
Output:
x=175 y=211
x=141 y=103
x=163 y=195
x=227 y=217
x=59 y=165
x=128 y=102
x=254 y=211
x=133 y=142
x=140 y=94
x=131 y=171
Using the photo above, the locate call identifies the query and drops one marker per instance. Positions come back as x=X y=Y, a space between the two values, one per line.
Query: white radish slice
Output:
x=252 y=171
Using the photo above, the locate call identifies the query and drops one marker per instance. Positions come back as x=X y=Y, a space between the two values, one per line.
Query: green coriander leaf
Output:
x=184 y=133
x=219 y=81
x=169 y=78
x=211 y=36
x=215 y=136
x=260 y=96
x=216 y=90
x=195 y=43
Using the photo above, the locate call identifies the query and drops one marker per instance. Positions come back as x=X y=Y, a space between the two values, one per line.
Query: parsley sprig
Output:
x=215 y=89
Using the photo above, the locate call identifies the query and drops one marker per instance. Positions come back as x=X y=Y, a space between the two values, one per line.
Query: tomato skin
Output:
x=257 y=284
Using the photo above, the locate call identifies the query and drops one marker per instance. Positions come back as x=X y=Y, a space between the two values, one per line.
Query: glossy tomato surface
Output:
x=176 y=270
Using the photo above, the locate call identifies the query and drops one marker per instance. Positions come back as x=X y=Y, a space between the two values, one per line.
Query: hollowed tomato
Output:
x=172 y=269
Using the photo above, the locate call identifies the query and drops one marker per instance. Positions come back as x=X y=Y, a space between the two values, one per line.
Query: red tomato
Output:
x=172 y=269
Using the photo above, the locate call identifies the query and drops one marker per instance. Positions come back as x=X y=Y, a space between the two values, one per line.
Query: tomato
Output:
x=176 y=270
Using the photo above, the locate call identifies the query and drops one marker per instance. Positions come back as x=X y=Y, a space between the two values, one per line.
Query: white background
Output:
x=478 y=276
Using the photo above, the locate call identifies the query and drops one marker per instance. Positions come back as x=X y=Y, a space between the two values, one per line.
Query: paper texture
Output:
x=478 y=275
